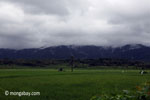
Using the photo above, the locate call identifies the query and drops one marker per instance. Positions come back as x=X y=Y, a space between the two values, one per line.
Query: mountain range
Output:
x=131 y=52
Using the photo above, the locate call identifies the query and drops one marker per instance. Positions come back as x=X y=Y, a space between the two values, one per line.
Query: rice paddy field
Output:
x=81 y=84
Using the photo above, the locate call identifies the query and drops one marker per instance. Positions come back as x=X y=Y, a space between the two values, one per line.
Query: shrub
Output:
x=142 y=93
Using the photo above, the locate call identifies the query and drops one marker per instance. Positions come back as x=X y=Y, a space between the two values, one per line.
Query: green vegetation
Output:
x=101 y=63
x=67 y=85
x=142 y=93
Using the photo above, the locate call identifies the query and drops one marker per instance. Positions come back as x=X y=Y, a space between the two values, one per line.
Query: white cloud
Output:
x=35 y=23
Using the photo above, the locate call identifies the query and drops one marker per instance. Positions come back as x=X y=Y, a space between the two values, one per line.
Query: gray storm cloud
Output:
x=36 y=23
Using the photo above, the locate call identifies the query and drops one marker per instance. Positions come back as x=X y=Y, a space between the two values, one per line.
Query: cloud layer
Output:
x=36 y=23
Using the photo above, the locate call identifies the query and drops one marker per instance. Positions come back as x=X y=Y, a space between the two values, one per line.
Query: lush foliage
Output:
x=142 y=93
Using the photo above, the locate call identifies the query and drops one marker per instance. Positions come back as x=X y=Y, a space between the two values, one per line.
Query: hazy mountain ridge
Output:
x=134 y=52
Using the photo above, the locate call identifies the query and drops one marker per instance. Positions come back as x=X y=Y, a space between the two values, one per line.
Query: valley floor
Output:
x=77 y=85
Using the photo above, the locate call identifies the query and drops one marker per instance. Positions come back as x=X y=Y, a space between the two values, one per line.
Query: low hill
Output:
x=130 y=52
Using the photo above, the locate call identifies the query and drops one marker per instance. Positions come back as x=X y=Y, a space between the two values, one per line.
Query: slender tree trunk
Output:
x=72 y=68
x=72 y=63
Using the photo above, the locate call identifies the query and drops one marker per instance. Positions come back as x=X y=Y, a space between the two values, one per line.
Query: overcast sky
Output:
x=37 y=23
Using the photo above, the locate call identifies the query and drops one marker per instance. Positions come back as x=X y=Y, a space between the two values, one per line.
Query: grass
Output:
x=77 y=85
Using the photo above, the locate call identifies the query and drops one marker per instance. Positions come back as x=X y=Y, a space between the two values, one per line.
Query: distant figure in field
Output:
x=143 y=72
x=60 y=69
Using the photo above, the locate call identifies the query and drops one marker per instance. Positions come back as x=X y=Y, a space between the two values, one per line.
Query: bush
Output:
x=142 y=93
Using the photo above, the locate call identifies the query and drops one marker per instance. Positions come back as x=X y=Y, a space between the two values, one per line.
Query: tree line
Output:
x=78 y=63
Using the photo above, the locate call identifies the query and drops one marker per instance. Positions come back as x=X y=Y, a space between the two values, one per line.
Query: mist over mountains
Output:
x=130 y=52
